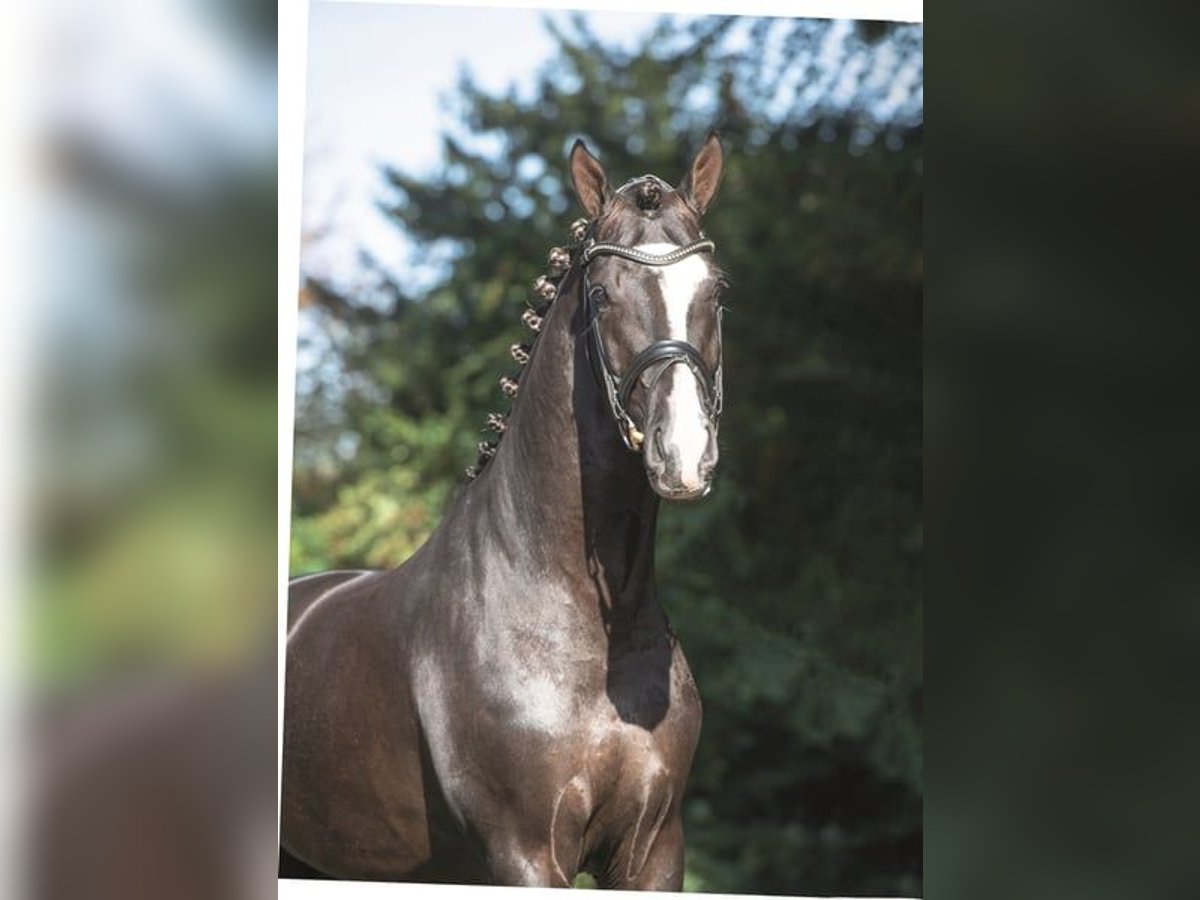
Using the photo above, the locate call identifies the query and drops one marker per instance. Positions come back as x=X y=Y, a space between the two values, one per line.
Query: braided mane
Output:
x=543 y=294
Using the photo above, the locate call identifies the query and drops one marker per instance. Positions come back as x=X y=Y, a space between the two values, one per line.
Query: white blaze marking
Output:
x=687 y=434
x=680 y=283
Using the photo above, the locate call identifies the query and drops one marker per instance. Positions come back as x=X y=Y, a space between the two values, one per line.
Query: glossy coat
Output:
x=511 y=705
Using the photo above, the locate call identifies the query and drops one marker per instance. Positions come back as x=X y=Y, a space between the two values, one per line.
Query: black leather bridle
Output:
x=618 y=389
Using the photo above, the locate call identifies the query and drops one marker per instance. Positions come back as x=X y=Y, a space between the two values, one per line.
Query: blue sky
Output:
x=376 y=73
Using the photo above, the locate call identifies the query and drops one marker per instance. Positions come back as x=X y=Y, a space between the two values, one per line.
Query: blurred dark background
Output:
x=1062 y=445
x=796 y=587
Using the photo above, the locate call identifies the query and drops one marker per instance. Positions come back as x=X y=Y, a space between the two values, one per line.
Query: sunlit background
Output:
x=435 y=183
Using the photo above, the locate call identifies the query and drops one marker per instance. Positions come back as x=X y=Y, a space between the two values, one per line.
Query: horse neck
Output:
x=562 y=482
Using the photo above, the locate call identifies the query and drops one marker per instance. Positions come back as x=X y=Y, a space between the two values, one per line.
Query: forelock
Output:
x=647 y=209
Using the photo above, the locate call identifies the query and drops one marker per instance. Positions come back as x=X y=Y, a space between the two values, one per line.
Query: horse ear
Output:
x=587 y=176
x=700 y=184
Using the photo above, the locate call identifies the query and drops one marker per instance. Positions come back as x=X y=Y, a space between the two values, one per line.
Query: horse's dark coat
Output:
x=510 y=705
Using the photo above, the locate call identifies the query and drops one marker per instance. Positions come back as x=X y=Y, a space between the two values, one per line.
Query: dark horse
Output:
x=511 y=705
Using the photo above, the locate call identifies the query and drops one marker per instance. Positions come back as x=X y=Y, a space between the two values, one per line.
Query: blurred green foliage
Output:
x=796 y=587
x=156 y=446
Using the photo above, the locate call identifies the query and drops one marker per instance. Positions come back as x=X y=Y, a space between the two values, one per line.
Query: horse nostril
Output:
x=656 y=460
x=658 y=444
x=708 y=462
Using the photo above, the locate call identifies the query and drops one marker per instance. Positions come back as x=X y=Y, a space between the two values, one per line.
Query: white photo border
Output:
x=293 y=75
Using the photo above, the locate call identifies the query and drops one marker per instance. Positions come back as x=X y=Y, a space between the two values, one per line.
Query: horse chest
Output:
x=583 y=744
x=630 y=705
x=613 y=808
x=623 y=765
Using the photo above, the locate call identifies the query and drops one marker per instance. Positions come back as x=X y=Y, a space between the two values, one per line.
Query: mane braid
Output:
x=545 y=291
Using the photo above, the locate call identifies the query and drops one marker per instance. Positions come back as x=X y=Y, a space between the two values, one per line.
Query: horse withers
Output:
x=510 y=705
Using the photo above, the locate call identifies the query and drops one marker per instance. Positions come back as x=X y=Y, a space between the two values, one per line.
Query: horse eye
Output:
x=601 y=298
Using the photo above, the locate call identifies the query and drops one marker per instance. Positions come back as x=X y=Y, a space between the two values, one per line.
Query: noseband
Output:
x=618 y=389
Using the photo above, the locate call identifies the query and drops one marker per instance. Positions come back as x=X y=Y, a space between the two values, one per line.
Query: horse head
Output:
x=652 y=292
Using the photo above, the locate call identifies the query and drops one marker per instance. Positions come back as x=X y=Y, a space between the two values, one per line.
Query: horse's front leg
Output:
x=540 y=844
x=662 y=870
x=514 y=866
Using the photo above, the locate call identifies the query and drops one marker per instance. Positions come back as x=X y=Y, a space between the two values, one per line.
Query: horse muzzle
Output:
x=680 y=459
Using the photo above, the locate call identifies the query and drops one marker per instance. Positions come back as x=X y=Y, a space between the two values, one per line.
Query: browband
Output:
x=641 y=256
